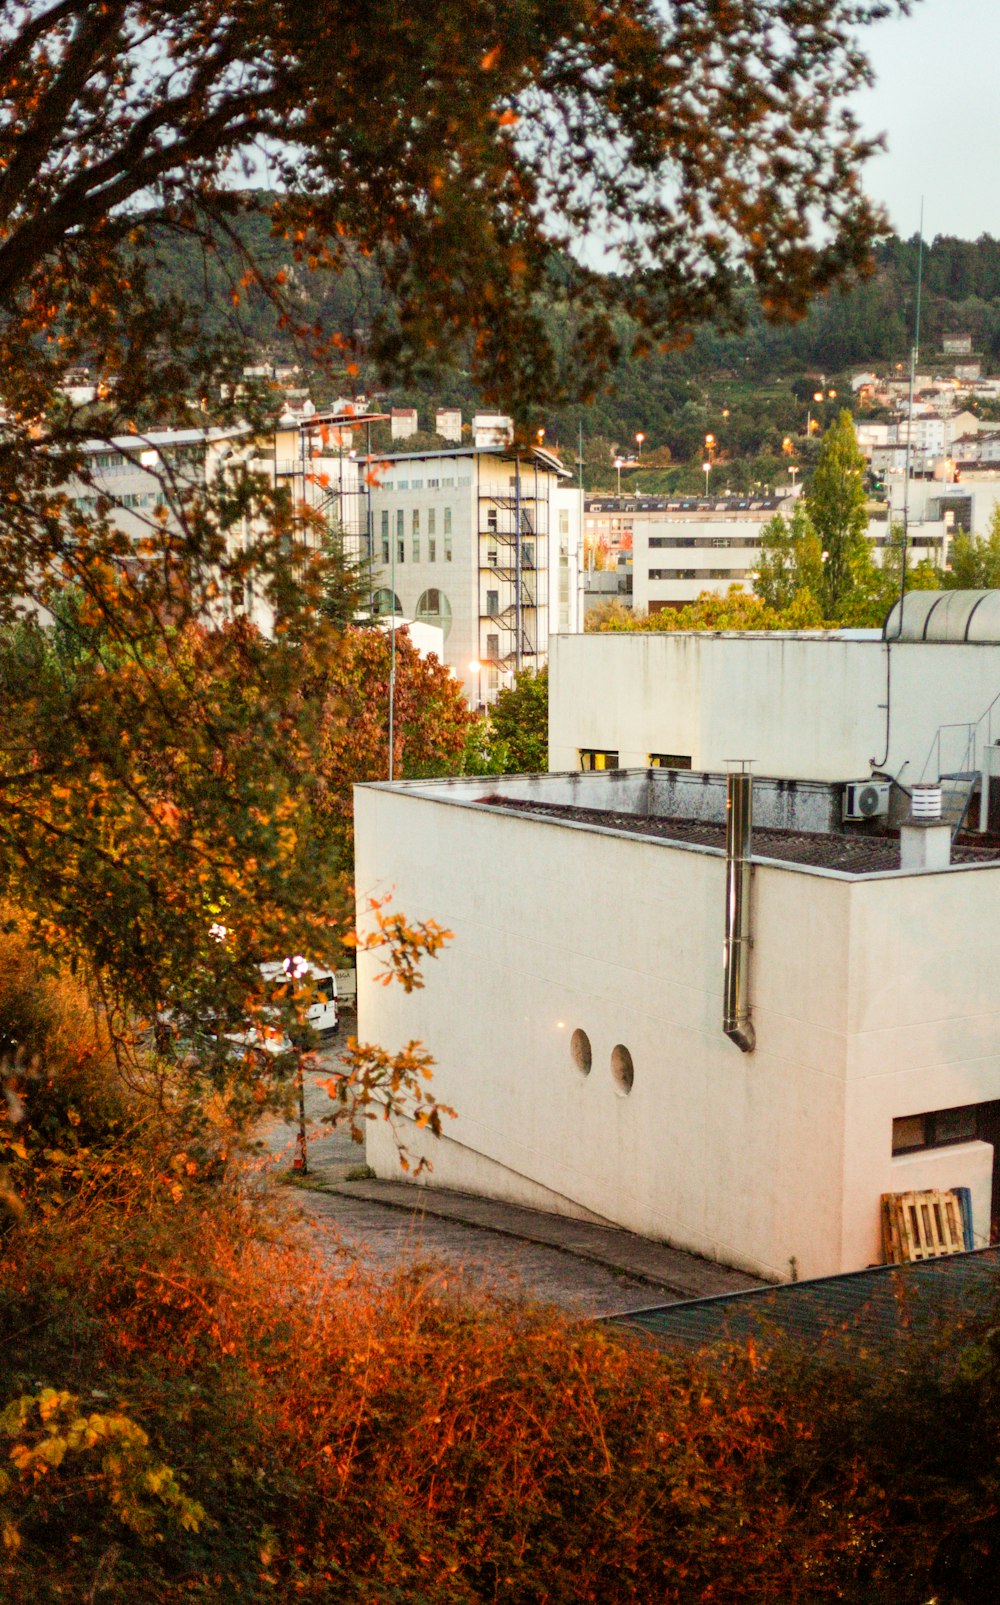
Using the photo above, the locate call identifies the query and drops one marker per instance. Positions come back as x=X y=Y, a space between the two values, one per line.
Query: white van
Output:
x=322 y=1013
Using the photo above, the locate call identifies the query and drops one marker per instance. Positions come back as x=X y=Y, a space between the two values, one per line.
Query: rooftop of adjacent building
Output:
x=534 y=454
x=854 y=854
x=595 y=503
x=799 y=824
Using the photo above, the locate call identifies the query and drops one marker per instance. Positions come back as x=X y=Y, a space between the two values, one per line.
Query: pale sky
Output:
x=937 y=100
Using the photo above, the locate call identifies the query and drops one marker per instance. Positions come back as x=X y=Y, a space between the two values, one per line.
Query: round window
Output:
x=580 y=1052
x=622 y=1070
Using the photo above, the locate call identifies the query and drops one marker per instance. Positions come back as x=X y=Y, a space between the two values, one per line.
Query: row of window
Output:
x=432 y=608
x=701 y=573
x=444 y=483
x=592 y=758
x=726 y=541
x=415 y=535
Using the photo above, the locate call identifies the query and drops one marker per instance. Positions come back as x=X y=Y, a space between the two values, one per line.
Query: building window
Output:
x=401 y=551
x=668 y=760
x=597 y=758
x=447 y=520
x=936 y=1130
x=491 y=518
x=432 y=520
x=434 y=608
x=432 y=484
x=385 y=535
x=416 y=521
x=564 y=520
x=622 y=1070
x=493 y=648
x=400 y=517
x=581 y=1052
x=447 y=545
x=431 y=549
x=385 y=602
x=492 y=604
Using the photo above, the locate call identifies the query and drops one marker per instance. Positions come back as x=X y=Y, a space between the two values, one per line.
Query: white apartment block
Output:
x=313 y=458
x=682 y=545
x=484 y=544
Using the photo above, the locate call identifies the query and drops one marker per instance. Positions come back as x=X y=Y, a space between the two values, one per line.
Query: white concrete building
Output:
x=485 y=545
x=825 y=706
x=312 y=457
x=576 y=1019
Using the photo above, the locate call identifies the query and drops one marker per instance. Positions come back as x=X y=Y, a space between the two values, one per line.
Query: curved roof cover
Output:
x=946 y=616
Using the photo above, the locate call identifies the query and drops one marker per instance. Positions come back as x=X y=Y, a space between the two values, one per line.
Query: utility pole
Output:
x=914 y=352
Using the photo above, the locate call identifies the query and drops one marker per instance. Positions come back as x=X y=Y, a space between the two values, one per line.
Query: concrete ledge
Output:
x=659 y=1264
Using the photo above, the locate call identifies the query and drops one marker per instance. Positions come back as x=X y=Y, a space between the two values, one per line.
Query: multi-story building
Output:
x=483 y=543
x=313 y=457
x=681 y=545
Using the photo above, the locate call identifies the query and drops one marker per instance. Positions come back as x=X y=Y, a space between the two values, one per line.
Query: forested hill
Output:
x=872 y=324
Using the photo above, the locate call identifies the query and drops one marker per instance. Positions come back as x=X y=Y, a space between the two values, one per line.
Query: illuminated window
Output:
x=668 y=760
x=597 y=758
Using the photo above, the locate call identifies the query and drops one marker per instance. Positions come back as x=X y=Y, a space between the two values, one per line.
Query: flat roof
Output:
x=853 y=854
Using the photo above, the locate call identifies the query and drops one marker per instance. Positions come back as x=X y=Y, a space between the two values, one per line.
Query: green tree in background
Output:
x=791 y=560
x=513 y=738
x=975 y=564
x=836 y=505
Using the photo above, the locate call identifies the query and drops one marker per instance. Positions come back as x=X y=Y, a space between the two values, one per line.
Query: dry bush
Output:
x=420 y=1443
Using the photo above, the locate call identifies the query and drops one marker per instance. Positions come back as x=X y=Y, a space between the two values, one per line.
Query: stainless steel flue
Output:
x=736 y=1022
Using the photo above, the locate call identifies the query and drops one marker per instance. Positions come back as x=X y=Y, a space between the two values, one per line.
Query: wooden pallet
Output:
x=917 y=1226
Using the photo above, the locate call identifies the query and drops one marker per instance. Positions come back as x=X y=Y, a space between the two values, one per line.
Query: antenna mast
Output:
x=914 y=353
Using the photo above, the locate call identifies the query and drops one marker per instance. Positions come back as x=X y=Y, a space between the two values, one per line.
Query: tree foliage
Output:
x=974 y=565
x=430 y=722
x=460 y=143
x=837 y=508
x=513 y=736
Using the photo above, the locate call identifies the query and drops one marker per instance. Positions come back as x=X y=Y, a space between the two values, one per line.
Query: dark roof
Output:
x=878 y=1307
x=854 y=854
x=683 y=504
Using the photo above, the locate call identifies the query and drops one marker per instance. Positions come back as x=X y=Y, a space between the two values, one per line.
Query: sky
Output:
x=936 y=100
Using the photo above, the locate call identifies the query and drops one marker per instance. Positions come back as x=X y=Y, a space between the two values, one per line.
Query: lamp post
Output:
x=706 y=469
x=476 y=668
x=618 y=466
x=640 y=437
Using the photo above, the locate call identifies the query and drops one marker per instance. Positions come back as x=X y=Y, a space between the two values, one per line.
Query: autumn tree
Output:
x=468 y=151
x=351 y=696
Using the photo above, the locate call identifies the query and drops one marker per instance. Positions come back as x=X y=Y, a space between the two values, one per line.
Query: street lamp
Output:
x=618 y=466
x=639 y=440
x=706 y=469
x=476 y=668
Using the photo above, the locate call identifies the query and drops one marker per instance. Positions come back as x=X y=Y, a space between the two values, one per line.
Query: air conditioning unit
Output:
x=866 y=799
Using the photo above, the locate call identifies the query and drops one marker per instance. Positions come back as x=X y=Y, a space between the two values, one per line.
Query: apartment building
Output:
x=485 y=544
x=682 y=545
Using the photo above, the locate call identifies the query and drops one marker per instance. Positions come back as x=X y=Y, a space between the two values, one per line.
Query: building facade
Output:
x=828 y=706
x=576 y=1019
x=485 y=545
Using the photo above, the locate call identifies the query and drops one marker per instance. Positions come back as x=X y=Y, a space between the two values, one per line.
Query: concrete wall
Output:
x=869 y=1002
x=800 y=706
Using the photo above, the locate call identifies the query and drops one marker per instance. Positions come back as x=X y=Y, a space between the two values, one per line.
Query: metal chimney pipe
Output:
x=736 y=1022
